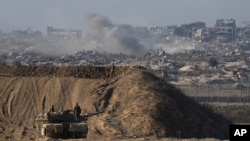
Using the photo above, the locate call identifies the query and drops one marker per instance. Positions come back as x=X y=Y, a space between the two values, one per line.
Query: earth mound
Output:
x=135 y=102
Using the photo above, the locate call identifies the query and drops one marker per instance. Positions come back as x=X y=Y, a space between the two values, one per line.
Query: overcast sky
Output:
x=38 y=14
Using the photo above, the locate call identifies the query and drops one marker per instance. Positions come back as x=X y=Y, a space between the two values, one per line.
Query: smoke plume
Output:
x=117 y=38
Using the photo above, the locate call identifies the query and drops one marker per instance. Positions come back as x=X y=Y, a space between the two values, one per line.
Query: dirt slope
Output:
x=136 y=103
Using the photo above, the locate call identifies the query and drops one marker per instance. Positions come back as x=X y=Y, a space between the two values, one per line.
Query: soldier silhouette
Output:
x=77 y=112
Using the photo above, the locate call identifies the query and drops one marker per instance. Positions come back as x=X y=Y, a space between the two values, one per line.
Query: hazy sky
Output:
x=37 y=14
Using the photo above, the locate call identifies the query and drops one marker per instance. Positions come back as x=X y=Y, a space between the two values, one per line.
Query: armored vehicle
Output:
x=62 y=124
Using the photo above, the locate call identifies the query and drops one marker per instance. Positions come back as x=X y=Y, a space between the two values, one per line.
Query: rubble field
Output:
x=89 y=72
x=136 y=104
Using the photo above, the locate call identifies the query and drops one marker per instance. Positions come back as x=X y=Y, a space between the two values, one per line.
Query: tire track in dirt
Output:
x=65 y=87
x=5 y=97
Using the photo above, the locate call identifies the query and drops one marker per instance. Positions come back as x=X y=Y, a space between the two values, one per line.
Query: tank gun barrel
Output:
x=92 y=114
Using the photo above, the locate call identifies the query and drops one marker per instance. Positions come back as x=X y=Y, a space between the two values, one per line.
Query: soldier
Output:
x=77 y=112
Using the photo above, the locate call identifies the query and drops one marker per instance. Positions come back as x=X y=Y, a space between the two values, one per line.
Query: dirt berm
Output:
x=136 y=103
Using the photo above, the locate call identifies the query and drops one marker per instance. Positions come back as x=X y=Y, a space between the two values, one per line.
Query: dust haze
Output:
x=106 y=36
x=56 y=47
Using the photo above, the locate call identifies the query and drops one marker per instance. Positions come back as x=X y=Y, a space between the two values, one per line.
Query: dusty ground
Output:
x=136 y=103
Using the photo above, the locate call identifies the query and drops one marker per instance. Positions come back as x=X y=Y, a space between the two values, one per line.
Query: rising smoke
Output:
x=109 y=37
x=118 y=38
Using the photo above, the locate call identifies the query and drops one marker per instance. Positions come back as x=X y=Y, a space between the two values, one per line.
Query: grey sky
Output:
x=37 y=14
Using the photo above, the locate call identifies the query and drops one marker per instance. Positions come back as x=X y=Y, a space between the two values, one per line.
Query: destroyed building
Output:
x=59 y=32
x=244 y=32
x=225 y=30
x=186 y=30
x=26 y=33
x=203 y=34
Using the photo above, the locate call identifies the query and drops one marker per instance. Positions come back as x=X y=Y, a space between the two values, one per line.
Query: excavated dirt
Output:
x=135 y=102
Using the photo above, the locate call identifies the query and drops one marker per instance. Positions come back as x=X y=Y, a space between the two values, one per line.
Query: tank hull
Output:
x=61 y=125
x=65 y=130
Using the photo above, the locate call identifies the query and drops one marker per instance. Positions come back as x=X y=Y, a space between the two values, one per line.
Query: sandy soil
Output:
x=137 y=104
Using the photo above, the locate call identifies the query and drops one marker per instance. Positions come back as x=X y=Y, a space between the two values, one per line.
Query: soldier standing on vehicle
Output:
x=77 y=112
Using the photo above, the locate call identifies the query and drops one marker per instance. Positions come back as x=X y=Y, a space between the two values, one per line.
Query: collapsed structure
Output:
x=244 y=32
x=59 y=32
x=225 y=30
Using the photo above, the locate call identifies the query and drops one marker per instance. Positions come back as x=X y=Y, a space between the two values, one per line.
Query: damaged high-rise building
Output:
x=225 y=30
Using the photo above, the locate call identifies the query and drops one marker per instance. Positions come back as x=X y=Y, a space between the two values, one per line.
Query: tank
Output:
x=63 y=124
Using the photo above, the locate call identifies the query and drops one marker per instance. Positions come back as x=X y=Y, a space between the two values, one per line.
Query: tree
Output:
x=213 y=62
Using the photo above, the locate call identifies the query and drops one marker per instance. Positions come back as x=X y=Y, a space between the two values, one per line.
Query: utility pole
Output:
x=196 y=92
x=207 y=92
x=218 y=93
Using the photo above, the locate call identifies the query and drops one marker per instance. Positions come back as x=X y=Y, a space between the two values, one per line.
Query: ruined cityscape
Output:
x=189 y=54
x=134 y=82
